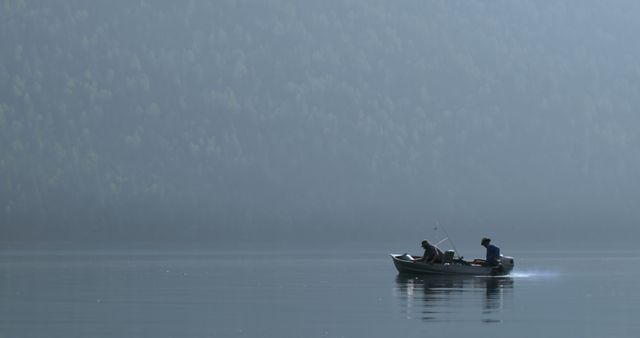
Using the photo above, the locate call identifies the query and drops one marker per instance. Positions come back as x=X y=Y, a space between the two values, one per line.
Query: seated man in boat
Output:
x=493 y=252
x=432 y=254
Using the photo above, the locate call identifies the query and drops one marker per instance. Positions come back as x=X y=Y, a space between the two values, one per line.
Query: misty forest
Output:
x=237 y=120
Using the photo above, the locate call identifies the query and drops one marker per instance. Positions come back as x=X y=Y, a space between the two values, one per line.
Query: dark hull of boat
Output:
x=415 y=267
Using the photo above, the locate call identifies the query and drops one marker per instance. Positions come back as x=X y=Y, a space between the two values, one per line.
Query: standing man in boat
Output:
x=432 y=254
x=493 y=252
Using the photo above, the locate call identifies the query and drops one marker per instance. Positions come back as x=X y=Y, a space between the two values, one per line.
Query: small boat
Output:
x=406 y=263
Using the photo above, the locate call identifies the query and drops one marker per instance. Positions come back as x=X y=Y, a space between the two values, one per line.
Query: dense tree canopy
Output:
x=169 y=119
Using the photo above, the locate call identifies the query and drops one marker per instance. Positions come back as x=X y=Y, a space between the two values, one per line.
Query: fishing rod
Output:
x=447 y=238
x=442 y=240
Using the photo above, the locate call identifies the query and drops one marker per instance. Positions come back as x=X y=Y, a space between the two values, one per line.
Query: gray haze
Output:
x=317 y=121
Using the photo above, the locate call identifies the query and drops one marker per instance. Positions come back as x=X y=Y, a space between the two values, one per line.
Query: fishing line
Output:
x=449 y=238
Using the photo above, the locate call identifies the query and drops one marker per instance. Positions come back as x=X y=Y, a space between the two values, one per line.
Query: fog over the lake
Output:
x=298 y=122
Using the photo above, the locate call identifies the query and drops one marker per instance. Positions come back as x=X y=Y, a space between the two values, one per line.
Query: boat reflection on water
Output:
x=453 y=298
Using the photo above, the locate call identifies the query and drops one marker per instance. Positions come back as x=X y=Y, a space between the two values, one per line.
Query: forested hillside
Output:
x=146 y=119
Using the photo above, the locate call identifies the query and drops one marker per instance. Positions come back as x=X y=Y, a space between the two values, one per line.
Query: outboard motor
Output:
x=507 y=263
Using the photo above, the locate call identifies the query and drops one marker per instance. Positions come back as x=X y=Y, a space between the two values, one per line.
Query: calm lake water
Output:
x=310 y=294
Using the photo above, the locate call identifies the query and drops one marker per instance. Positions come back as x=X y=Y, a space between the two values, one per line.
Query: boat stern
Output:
x=507 y=264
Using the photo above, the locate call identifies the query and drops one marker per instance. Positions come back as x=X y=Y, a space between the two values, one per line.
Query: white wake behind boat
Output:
x=406 y=263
